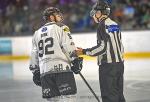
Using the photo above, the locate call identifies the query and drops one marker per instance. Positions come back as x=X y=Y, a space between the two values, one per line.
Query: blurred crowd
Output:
x=23 y=17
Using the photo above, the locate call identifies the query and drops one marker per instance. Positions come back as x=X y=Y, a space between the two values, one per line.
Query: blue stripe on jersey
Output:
x=113 y=28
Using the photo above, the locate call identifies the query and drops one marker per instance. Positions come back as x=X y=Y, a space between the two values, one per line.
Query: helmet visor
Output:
x=92 y=13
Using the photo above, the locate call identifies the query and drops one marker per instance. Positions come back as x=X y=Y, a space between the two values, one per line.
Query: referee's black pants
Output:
x=111 y=82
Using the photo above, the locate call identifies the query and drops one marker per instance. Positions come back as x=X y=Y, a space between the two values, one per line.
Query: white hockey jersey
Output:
x=52 y=48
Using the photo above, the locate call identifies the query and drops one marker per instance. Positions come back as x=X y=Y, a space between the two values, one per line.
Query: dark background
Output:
x=23 y=17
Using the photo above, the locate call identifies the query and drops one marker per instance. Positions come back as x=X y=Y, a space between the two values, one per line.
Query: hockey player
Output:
x=52 y=58
x=109 y=51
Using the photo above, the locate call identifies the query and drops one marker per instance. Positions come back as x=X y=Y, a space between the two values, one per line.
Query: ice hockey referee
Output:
x=109 y=50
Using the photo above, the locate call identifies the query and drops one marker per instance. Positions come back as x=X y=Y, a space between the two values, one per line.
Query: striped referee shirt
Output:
x=109 y=48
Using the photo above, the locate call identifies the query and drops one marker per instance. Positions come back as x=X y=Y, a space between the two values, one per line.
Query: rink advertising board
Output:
x=136 y=45
x=5 y=47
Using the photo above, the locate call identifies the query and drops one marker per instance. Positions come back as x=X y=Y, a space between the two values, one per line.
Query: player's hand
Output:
x=79 y=51
x=77 y=65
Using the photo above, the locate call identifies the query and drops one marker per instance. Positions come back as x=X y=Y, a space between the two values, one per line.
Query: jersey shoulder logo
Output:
x=66 y=29
x=44 y=29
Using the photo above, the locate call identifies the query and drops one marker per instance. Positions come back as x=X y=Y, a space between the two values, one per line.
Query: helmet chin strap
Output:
x=54 y=18
x=99 y=19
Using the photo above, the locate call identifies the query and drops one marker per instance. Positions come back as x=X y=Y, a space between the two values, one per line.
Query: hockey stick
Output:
x=87 y=83
x=89 y=87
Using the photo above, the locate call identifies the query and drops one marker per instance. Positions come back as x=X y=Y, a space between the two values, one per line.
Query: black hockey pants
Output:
x=111 y=82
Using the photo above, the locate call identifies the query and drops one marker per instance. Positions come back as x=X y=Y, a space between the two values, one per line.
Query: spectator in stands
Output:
x=21 y=16
x=146 y=19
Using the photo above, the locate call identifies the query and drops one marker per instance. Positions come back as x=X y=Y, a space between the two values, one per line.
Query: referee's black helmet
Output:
x=100 y=6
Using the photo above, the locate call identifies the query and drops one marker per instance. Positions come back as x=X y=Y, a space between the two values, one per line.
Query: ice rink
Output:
x=16 y=82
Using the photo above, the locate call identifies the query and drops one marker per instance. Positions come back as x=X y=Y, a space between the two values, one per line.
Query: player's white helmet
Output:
x=100 y=6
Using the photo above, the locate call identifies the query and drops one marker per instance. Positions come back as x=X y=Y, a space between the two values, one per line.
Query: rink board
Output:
x=136 y=45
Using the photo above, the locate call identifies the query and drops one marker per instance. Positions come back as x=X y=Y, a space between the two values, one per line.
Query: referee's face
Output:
x=97 y=16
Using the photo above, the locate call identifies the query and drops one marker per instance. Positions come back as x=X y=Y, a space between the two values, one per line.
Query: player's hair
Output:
x=100 y=6
x=50 y=11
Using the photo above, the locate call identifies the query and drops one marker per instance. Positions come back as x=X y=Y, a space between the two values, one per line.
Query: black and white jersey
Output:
x=52 y=47
x=109 y=48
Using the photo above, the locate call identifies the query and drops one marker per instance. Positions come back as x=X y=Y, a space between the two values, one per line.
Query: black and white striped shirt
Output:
x=109 y=48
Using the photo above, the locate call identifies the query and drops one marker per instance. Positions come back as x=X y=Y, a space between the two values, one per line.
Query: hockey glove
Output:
x=77 y=65
x=36 y=78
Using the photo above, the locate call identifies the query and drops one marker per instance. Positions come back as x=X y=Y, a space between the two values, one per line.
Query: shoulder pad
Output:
x=64 y=27
x=60 y=24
